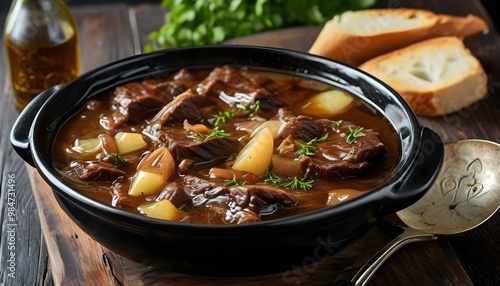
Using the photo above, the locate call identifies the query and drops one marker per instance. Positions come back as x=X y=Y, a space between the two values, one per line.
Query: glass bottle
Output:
x=41 y=38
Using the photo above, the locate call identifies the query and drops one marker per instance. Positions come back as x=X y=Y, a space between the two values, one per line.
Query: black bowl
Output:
x=239 y=250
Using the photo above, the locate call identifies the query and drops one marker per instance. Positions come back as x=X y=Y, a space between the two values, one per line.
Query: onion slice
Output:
x=255 y=157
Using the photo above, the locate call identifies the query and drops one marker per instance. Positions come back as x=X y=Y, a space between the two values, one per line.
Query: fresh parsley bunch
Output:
x=201 y=22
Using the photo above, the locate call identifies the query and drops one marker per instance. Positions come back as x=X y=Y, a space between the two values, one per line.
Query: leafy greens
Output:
x=201 y=22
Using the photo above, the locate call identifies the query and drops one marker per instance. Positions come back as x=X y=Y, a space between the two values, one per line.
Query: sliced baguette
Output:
x=436 y=76
x=354 y=37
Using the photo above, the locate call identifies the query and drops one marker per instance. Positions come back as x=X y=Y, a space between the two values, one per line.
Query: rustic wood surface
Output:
x=110 y=32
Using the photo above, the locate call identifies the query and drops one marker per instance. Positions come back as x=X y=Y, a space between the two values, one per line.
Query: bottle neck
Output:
x=46 y=22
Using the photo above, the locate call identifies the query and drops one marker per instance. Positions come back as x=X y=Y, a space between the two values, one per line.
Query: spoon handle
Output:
x=408 y=236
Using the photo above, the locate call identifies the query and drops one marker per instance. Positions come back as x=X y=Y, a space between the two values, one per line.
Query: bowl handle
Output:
x=418 y=179
x=19 y=135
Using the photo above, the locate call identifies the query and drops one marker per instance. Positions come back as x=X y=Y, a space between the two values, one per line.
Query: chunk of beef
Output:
x=336 y=157
x=135 y=101
x=254 y=197
x=366 y=147
x=95 y=171
x=256 y=79
x=235 y=89
x=180 y=82
x=198 y=185
x=276 y=87
x=242 y=216
x=246 y=202
x=175 y=194
x=189 y=152
x=243 y=203
x=212 y=150
x=331 y=169
x=300 y=127
x=184 y=79
x=185 y=106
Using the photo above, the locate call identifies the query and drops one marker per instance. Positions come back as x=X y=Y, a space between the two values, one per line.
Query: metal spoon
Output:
x=465 y=194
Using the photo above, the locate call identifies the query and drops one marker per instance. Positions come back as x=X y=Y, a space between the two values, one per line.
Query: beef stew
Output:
x=225 y=146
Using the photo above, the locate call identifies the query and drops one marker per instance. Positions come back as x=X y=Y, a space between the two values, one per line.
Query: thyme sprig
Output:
x=273 y=178
x=223 y=116
x=308 y=149
x=295 y=183
x=216 y=133
x=256 y=109
x=353 y=134
x=233 y=182
x=251 y=113
x=299 y=183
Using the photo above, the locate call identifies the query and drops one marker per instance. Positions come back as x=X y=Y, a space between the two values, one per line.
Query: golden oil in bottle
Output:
x=42 y=47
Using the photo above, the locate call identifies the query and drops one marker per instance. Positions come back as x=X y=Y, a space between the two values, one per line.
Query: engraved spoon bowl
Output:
x=465 y=194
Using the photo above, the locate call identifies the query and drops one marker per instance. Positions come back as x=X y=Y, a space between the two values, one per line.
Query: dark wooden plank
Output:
x=478 y=250
x=21 y=243
x=105 y=34
x=21 y=238
x=75 y=258
x=148 y=18
x=426 y=263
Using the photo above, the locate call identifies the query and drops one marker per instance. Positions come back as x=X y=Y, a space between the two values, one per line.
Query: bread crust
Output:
x=464 y=84
x=377 y=32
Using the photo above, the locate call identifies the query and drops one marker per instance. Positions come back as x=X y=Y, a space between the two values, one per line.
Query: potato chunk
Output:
x=327 y=103
x=146 y=183
x=153 y=173
x=163 y=209
x=129 y=142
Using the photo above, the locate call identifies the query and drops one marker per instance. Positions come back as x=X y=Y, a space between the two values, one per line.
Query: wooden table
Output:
x=110 y=32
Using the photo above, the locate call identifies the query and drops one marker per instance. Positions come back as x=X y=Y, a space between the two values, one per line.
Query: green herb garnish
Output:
x=256 y=108
x=222 y=116
x=297 y=183
x=233 y=183
x=118 y=157
x=307 y=149
x=216 y=133
x=353 y=134
x=338 y=123
x=272 y=178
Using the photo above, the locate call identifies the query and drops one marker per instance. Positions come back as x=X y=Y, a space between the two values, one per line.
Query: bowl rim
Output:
x=48 y=171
